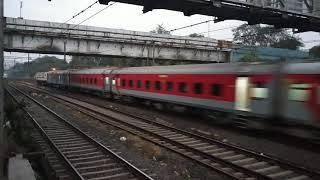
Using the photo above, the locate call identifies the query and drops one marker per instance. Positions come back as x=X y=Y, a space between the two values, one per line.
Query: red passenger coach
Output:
x=303 y=93
x=241 y=92
x=91 y=79
x=220 y=87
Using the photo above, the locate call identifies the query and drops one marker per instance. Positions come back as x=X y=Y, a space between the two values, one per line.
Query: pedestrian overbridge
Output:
x=22 y=35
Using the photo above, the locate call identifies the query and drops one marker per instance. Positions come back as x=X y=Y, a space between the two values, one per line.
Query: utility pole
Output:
x=1 y=92
x=20 y=9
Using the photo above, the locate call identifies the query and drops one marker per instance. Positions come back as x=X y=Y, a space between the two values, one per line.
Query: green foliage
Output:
x=267 y=36
x=289 y=43
x=160 y=29
x=315 y=51
x=46 y=63
x=196 y=35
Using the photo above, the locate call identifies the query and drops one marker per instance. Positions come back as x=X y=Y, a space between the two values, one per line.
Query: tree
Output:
x=45 y=63
x=290 y=43
x=196 y=35
x=267 y=36
x=315 y=51
x=160 y=29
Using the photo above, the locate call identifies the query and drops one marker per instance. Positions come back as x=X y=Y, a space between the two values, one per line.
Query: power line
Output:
x=81 y=12
x=204 y=32
x=93 y=15
x=74 y=16
x=203 y=22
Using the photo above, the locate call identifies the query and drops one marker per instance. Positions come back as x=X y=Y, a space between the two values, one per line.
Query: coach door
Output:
x=242 y=95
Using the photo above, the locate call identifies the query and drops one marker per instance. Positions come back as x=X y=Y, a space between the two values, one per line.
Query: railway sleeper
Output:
x=206 y=147
x=197 y=145
x=74 y=148
x=282 y=175
x=191 y=142
x=93 y=163
x=217 y=150
x=77 y=139
x=165 y=133
x=97 y=167
x=243 y=162
x=301 y=177
x=103 y=173
x=183 y=139
x=175 y=136
x=84 y=155
x=63 y=143
x=67 y=137
x=121 y=176
x=74 y=145
x=87 y=150
x=269 y=170
x=223 y=154
x=87 y=159
x=234 y=157
x=61 y=134
x=258 y=165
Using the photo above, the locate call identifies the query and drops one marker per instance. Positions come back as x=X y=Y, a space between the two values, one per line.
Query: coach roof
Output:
x=92 y=71
x=221 y=68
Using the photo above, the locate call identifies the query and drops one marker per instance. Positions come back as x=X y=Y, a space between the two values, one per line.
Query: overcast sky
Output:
x=124 y=16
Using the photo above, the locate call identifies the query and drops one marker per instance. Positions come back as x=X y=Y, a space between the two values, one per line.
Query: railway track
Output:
x=226 y=159
x=83 y=156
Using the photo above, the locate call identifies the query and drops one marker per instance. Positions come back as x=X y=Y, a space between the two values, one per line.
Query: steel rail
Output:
x=262 y=157
x=175 y=143
x=118 y=158
x=51 y=143
x=271 y=160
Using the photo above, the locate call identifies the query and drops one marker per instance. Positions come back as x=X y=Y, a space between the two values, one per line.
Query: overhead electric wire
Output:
x=81 y=12
x=74 y=16
x=204 y=32
x=203 y=22
x=93 y=15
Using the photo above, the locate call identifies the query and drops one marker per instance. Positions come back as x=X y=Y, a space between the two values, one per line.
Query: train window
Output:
x=183 y=87
x=91 y=81
x=123 y=83
x=139 y=84
x=118 y=81
x=87 y=80
x=216 y=89
x=106 y=79
x=198 y=88
x=130 y=83
x=157 y=85
x=147 y=85
x=299 y=92
x=113 y=81
x=95 y=80
x=259 y=90
x=169 y=86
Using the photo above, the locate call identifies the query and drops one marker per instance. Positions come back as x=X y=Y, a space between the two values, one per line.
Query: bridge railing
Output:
x=105 y=34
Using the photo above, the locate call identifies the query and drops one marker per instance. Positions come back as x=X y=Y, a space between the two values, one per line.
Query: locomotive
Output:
x=254 y=93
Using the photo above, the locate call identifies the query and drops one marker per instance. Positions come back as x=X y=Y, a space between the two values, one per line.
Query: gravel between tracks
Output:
x=144 y=155
x=260 y=142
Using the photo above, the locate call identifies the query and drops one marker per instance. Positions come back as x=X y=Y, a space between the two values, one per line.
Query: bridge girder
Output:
x=272 y=12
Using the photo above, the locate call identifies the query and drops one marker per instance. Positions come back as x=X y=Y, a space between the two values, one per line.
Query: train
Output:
x=242 y=93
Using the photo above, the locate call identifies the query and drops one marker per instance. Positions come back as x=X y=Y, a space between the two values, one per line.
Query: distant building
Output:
x=268 y=53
